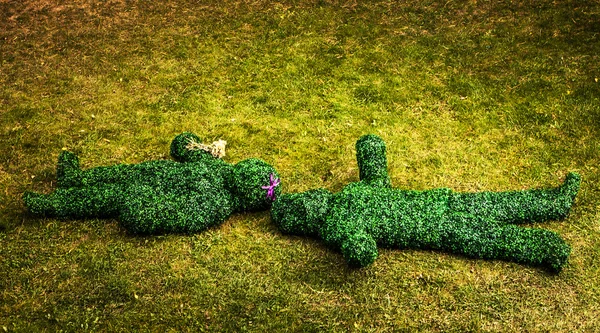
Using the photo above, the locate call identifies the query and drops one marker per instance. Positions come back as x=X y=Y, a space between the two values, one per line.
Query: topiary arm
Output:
x=77 y=202
x=346 y=232
x=372 y=162
x=359 y=249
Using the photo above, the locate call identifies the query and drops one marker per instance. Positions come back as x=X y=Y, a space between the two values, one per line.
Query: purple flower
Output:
x=273 y=182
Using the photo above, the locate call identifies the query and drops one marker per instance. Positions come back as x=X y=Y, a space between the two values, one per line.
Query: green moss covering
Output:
x=369 y=213
x=187 y=195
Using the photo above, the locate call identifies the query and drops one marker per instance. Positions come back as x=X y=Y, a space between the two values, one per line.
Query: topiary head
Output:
x=301 y=213
x=254 y=184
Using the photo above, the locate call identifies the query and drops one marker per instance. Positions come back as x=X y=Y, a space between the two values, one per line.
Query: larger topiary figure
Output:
x=369 y=213
x=187 y=195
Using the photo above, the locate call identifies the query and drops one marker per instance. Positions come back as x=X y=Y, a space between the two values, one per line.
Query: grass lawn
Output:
x=470 y=95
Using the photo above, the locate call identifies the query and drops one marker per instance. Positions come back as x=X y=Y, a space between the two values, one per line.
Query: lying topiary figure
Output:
x=190 y=194
x=369 y=213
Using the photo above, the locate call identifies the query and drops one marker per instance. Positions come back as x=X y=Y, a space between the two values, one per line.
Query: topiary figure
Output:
x=190 y=194
x=369 y=213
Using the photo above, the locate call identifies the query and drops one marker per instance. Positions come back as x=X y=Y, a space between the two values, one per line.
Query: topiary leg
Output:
x=74 y=202
x=478 y=237
x=118 y=174
x=68 y=173
x=520 y=206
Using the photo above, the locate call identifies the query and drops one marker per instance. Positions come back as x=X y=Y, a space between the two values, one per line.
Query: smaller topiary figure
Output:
x=190 y=194
x=369 y=213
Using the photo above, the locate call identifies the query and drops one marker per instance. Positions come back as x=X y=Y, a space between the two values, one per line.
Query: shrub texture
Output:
x=190 y=194
x=369 y=213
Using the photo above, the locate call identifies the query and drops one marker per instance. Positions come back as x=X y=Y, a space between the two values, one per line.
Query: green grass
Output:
x=470 y=95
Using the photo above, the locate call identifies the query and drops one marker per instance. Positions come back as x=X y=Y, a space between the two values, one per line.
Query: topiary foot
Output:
x=567 y=192
x=570 y=187
x=39 y=204
x=68 y=173
x=557 y=257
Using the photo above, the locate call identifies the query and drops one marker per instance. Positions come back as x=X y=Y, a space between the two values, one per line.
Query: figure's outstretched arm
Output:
x=372 y=161
x=68 y=173
x=182 y=151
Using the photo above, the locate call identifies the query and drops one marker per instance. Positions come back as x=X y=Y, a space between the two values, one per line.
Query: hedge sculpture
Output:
x=369 y=213
x=187 y=195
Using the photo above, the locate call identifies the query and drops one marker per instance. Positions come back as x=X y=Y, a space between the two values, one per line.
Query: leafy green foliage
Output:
x=470 y=95
x=158 y=196
x=247 y=180
x=302 y=213
x=477 y=225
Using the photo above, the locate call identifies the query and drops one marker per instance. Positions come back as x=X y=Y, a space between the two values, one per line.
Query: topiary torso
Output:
x=170 y=186
x=402 y=219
